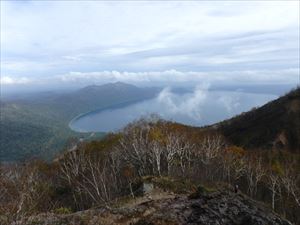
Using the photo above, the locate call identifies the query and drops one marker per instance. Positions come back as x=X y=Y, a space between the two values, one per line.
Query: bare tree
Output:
x=273 y=183
x=290 y=180
x=156 y=151
x=95 y=180
x=90 y=176
x=233 y=161
x=25 y=190
x=254 y=172
x=171 y=149
x=71 y=166
x=209 y=152
x=210 y=148
x=134 y=146
x=185 y=153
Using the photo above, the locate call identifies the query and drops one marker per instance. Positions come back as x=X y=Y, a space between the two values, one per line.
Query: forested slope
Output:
x=37 y=126
x=276 y=125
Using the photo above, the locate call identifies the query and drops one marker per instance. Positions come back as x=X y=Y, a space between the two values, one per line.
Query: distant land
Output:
x=38 y=126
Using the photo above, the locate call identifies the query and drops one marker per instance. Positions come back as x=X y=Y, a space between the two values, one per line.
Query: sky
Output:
x=48 y=44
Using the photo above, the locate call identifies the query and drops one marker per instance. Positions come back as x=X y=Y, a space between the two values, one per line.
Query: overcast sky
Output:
x=148 y=43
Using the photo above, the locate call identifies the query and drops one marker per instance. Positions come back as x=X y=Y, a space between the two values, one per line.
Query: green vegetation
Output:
x=62 y=210
x=39 y=126
x=28 y=132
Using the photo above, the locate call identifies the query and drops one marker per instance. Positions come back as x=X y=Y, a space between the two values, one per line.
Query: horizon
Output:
x=276 y=89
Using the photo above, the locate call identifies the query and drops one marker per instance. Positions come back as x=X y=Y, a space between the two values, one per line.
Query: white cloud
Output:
x=201 y=106
x=288 y=76
x=45 y=38
x=230 y=103
x=6 y=80
x=161 y=78
x=189 y=105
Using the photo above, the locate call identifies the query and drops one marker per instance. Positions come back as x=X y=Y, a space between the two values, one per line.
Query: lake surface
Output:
x=198 y=108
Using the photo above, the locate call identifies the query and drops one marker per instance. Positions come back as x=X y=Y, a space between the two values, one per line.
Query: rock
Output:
x=217 y=208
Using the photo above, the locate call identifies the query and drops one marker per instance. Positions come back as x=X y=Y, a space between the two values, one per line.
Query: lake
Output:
x=197 y=108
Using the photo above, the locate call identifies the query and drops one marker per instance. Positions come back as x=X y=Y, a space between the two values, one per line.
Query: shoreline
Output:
x=115 y=106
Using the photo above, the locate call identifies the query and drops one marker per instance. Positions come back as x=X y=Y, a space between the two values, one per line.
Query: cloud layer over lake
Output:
x=198 y=108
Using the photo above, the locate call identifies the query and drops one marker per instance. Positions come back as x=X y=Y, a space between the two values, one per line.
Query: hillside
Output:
x=38 y=126
x=102 y=181
x=276 y=125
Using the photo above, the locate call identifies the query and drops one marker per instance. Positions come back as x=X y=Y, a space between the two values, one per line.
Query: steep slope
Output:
x=275 y=125
x=220 y=207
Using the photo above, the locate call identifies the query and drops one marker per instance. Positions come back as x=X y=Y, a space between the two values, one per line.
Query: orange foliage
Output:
x=235 y=150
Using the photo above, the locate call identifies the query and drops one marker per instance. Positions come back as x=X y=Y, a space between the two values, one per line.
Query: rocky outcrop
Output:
x=230 y=208
x=217 y=208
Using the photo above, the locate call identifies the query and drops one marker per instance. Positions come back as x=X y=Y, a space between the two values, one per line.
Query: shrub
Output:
x=62 y=210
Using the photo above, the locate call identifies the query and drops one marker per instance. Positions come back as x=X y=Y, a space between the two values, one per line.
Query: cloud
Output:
x=288 y=76
x=202 y=106
x=230 y=103
x=6 y=80
x=197 y=108
x=162 y=78
x=186 y=105
x=40 y=39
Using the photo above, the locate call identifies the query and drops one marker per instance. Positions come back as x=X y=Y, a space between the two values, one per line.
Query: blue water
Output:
x=197 y=109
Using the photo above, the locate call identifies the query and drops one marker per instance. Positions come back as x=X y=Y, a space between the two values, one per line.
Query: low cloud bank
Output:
x=202 y=106
x=179 y=77
x=161 y=78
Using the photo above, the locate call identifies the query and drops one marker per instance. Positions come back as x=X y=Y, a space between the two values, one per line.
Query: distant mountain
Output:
x=94 y=97
x=276 y=125
x=38 y=125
